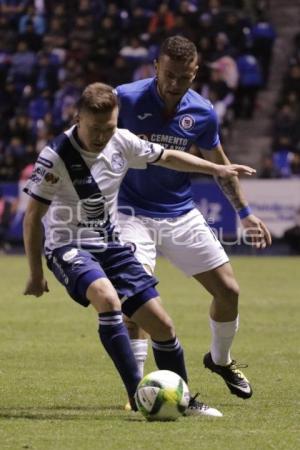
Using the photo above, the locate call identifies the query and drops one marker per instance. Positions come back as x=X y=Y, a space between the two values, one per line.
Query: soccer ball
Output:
x=162 y=395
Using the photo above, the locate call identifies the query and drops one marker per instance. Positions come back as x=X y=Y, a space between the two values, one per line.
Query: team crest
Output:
x=186 y=122
x=117 y=162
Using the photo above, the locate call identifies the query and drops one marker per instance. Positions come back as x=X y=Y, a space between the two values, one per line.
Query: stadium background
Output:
x=249 y=55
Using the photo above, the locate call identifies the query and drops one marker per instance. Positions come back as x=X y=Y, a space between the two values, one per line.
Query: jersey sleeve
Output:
x=46 y=177
x=210 y=137
x=140 y=152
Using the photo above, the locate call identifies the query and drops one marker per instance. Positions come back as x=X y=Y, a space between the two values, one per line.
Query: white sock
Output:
x=140 y=351
x=222 y=337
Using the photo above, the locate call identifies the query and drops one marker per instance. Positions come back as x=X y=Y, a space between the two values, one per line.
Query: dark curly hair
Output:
x=179 y=48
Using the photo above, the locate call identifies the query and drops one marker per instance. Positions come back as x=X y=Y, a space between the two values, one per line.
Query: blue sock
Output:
x=169 y=355
x=114 y=337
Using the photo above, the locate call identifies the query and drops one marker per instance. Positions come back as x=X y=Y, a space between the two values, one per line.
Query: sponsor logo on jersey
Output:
x=143 y=136
x=144 y=116
x=94 y=206
x=83 y=181
x=167 y=141
x=76 y=166
x=186 y=122
x=117 y=162
x=38 y=174
x=70 y=254
x=51 y=178
x=45 y=162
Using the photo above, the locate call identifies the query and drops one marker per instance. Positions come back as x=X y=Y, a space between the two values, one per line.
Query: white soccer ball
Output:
x=162 y=395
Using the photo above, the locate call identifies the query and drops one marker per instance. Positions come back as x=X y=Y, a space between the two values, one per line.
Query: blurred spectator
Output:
x=8 y=34
x=285 y=125
x=5 y=58
x=283 y=156
x=234 y=30
x=250 y=81
x=40 y=105
x=31 y=38
x=221 y=47
x=106 y=42
x=140 y=20
x=47 y=73
x=20 y=126
x=219 y=94
x=267 y=168
x=295 y=164
x=134 y=52
x=13 y=9
x=22 y=68
x=145 y=70
x=291 y=82
x=161 y=22
x=35 y=17
x=228 y=71
x=8 y=167
x=263 y=35
x=121 y=73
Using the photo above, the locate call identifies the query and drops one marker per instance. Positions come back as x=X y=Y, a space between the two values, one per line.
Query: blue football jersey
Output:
x=157 y=191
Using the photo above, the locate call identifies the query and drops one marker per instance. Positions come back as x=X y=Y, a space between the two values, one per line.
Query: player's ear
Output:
x=155 y=65
x=195 y=72
x=76 y=118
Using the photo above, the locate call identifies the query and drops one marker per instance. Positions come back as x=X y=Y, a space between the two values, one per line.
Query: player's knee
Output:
x=134 y=330
x=229 y=292
x=169 y=326
x=165 y=329
x=103 y=296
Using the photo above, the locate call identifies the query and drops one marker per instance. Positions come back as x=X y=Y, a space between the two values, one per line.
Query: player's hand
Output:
x=257 y=230
x=36 y=287
x=230 y=170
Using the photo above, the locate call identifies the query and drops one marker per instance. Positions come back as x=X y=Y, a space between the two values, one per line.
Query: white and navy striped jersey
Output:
x=82 y=187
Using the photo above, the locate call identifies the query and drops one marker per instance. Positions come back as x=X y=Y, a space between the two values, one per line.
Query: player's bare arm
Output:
x=33 y=241
x=261 y=236
x=172 y=159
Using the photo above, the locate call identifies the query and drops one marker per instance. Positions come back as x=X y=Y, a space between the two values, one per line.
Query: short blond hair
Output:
x=98 y=98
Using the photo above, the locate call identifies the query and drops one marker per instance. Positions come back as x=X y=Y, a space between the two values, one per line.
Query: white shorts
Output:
x=187 y=241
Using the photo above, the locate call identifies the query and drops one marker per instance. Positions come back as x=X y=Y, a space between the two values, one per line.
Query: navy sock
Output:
x=114 y=337
x=169 y=355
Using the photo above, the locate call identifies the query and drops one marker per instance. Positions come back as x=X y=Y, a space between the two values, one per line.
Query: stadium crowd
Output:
x=284 y=160
x=49 y=50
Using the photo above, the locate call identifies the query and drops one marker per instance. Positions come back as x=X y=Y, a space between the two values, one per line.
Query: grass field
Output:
x=59 y=391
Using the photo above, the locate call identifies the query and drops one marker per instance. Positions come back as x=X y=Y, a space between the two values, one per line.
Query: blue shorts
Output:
x=77 y=268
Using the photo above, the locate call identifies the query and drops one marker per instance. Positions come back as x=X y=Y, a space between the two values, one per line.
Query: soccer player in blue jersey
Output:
x=165 y=110
x=74 y=189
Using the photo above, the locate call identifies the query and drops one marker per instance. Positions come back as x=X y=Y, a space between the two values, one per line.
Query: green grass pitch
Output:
x=59 y=390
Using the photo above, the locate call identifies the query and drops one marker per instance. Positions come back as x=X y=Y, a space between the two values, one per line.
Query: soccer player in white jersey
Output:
x=73 y=190
x=165 y=109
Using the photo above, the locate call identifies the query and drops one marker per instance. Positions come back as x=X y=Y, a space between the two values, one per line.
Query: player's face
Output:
x=95 y=130
x=174 y=78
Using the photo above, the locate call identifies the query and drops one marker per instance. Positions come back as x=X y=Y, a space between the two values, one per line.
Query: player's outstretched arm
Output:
x=33 y=241
x=256 y=229
x=173 y=159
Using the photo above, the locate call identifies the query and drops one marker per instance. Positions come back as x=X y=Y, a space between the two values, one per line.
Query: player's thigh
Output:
x=192 y=246
x=76 y=269
x=220 y=281
x=138 y=233
x=153 y=318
